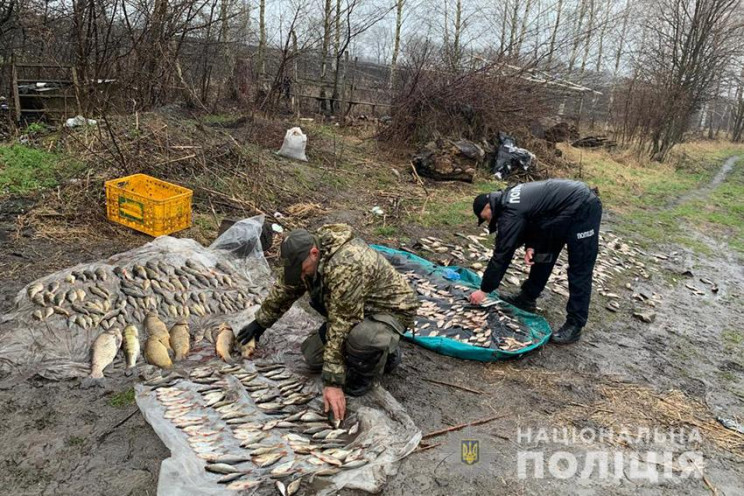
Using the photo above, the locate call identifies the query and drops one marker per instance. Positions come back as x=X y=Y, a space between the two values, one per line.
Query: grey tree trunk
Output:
x=554 y=34
x=396 y=41
x=262 y=39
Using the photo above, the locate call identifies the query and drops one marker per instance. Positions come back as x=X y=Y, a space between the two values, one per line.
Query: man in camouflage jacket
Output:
x=366 y=302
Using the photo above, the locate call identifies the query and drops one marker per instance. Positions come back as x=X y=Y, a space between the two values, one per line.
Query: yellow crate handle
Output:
x=132 y=210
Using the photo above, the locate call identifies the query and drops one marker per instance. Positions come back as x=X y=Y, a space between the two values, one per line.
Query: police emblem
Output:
x=469 y=454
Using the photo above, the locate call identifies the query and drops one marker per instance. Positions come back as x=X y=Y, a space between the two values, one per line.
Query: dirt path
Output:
x=705 y=190
x=58 y=439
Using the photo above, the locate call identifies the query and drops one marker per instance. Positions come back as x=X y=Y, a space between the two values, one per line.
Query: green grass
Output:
x=386 y=231
x=122 y=399
x=24 y=169
x=36 y=128
x=218 y=118
x=644 y=195
x=450 y=208
x=732 y=338
x=727 y=376
x=75 y=441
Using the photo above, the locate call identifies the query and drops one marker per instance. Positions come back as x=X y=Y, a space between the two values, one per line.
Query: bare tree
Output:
x=396 y=42
x=692 y=43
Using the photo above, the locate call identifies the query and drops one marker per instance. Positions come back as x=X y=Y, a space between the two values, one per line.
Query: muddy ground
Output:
x=682 y=371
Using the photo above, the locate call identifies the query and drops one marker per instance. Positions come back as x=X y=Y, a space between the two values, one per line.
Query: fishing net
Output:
x=447 y=324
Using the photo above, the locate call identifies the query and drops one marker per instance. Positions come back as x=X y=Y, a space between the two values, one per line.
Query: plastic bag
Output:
x=294 y=144
x=510 y=157
x=79 y=120
x=242 y=240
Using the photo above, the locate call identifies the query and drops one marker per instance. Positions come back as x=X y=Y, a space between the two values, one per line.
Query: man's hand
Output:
x=251 y=331
x=529 y=255
x=477 y=297
x=334 y=400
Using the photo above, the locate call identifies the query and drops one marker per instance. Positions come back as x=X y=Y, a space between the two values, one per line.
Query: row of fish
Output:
x=162 y=346
x=254 y=427
x=118 y=296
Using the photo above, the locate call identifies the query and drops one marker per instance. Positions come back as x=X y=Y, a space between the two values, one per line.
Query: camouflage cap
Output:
x=293 y=251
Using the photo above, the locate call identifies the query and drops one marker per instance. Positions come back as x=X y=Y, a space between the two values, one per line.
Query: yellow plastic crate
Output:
x=148 y=204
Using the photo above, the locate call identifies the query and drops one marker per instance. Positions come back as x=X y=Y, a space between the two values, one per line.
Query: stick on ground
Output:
x=450 y=384
x=461 y=426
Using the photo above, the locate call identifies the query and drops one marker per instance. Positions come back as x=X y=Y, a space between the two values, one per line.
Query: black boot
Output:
x=393 y=360
x=521 y=301
x=569 y=333
x=360 y=371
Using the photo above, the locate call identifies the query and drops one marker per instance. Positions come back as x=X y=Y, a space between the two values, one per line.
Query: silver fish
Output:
x=220 y=468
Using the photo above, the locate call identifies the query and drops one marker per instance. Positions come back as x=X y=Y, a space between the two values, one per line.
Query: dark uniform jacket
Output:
x=536 y=214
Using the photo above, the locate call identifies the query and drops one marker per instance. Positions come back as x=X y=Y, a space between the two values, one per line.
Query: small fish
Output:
x=312 y=416
x=221 y=468
x=354 y=464
x=61 y=311
x=104 y=351
x=252 y=438
x=293 y=487
x=283 y=470
x=229 y=477
x=328 y=459
x=34 y=289
x=131 y=347
x=295 y=438
x=322 y=434
x=268 y=459
x=325 y=472
x=243 y=485
x=228 y=459
x=265 y=450
x=303 y=449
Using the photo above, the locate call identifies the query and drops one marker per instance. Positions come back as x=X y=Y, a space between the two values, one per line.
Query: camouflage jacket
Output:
x=352 y=281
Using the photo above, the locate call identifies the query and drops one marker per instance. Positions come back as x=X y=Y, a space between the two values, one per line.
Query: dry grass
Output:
x=615 y=404
x=629 y=406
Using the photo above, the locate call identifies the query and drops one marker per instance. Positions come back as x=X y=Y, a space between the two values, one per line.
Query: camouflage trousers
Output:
x=375 y=337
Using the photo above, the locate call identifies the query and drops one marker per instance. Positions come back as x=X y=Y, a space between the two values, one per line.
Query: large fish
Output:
x=180 y=339
x=224 y=343
x=131 y=347
x=104 y=351
x=155 y=327
x=156 y=353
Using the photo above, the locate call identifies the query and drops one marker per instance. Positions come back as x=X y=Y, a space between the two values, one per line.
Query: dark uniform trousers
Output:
x=583 y=244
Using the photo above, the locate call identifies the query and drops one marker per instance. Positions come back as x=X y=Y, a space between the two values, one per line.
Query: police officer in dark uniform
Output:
x=544 y=216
